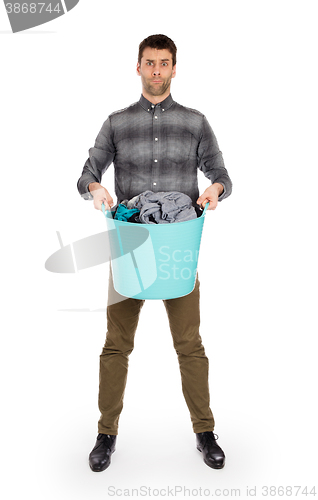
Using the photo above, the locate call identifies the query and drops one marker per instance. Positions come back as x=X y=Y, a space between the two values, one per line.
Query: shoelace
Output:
x=210 y=437
x=104 y=437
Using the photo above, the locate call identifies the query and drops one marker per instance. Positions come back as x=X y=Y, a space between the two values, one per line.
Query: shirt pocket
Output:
x=177 y=148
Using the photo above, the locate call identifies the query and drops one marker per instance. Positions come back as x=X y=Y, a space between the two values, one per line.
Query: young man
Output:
x=155 y=144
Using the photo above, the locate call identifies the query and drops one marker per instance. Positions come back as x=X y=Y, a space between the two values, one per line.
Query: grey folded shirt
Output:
x=165 y=207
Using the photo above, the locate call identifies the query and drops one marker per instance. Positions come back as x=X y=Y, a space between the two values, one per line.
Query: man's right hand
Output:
x=100 y=195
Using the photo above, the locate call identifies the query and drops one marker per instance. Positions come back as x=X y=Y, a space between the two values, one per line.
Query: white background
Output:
x=250 y=67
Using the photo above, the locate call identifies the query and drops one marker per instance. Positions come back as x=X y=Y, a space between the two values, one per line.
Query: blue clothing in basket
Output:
x=123 y=213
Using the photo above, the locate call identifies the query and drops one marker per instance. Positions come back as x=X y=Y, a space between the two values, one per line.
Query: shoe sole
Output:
x=104 y=468
x=212 y=466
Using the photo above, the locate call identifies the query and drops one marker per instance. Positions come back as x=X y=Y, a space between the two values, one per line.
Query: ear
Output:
x=174 y=70
x=138 y=69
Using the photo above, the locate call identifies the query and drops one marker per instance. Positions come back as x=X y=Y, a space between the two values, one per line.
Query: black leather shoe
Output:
x=213 y=455
x=99 y=457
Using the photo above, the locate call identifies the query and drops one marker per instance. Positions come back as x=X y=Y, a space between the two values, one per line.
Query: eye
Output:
x=165 y=64
x=149 y=63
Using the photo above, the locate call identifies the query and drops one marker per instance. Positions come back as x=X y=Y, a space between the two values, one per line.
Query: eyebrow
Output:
x=152 y=60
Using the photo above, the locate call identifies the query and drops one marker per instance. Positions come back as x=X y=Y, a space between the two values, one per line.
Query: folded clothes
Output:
x=163 y=207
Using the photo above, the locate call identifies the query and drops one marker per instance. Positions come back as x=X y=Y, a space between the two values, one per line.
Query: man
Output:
x=158 y=145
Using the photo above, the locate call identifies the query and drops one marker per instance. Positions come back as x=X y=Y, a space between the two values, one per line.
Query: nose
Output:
x=156 y=69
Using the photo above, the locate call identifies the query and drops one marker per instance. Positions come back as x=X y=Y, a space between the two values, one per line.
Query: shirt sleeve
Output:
x=210 y=160
x=100 y=158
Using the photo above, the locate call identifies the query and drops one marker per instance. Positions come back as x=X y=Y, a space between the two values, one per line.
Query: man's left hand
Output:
x=211 y=195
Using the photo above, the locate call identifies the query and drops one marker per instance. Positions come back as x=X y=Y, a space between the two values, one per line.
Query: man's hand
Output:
x=211 y=195
x=100 y=195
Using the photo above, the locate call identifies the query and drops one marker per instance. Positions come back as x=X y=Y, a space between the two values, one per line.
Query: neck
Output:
x=155 y=99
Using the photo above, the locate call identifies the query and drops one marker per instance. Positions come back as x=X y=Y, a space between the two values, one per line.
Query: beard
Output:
x=156 y=89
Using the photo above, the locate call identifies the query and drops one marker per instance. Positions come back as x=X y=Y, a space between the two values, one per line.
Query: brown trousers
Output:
x=184 y=320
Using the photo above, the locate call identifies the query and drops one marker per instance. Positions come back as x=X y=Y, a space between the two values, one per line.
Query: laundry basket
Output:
x=154 y=261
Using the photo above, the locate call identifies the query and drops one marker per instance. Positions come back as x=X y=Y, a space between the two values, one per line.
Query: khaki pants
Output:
x=184 y=319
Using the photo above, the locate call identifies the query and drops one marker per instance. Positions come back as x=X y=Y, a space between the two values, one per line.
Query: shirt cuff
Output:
x=222 y=195
x=87 y=195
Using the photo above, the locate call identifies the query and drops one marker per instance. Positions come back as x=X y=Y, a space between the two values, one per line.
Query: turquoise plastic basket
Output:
x=154 y=261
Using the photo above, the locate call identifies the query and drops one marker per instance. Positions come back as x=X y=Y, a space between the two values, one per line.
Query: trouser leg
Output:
x=184 y=319
x=122 y=320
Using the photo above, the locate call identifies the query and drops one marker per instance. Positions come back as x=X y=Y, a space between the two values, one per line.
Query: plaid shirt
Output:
x=157 y=147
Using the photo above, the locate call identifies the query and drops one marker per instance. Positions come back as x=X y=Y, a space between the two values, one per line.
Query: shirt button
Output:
x=156 y=117
x=156 y=138
x=152 y=106
x=163 y=110
x=148 y=109
x=155 y=161
x=154 y=183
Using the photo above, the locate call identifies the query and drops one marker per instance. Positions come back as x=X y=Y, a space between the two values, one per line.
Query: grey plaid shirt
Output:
x=157 y=147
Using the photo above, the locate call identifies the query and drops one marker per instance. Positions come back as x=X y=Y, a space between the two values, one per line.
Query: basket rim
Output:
x=153 y=224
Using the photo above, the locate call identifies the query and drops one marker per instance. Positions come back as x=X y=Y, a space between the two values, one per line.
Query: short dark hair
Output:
x=159 y=42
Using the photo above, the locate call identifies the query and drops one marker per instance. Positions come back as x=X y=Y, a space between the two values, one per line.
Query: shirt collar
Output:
x=147 y=105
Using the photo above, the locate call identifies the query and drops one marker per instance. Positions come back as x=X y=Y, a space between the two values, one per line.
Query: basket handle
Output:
x=205 y=208
x=104 y=209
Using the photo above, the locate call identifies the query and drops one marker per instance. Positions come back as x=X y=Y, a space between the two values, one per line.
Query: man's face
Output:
x=156 y=71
